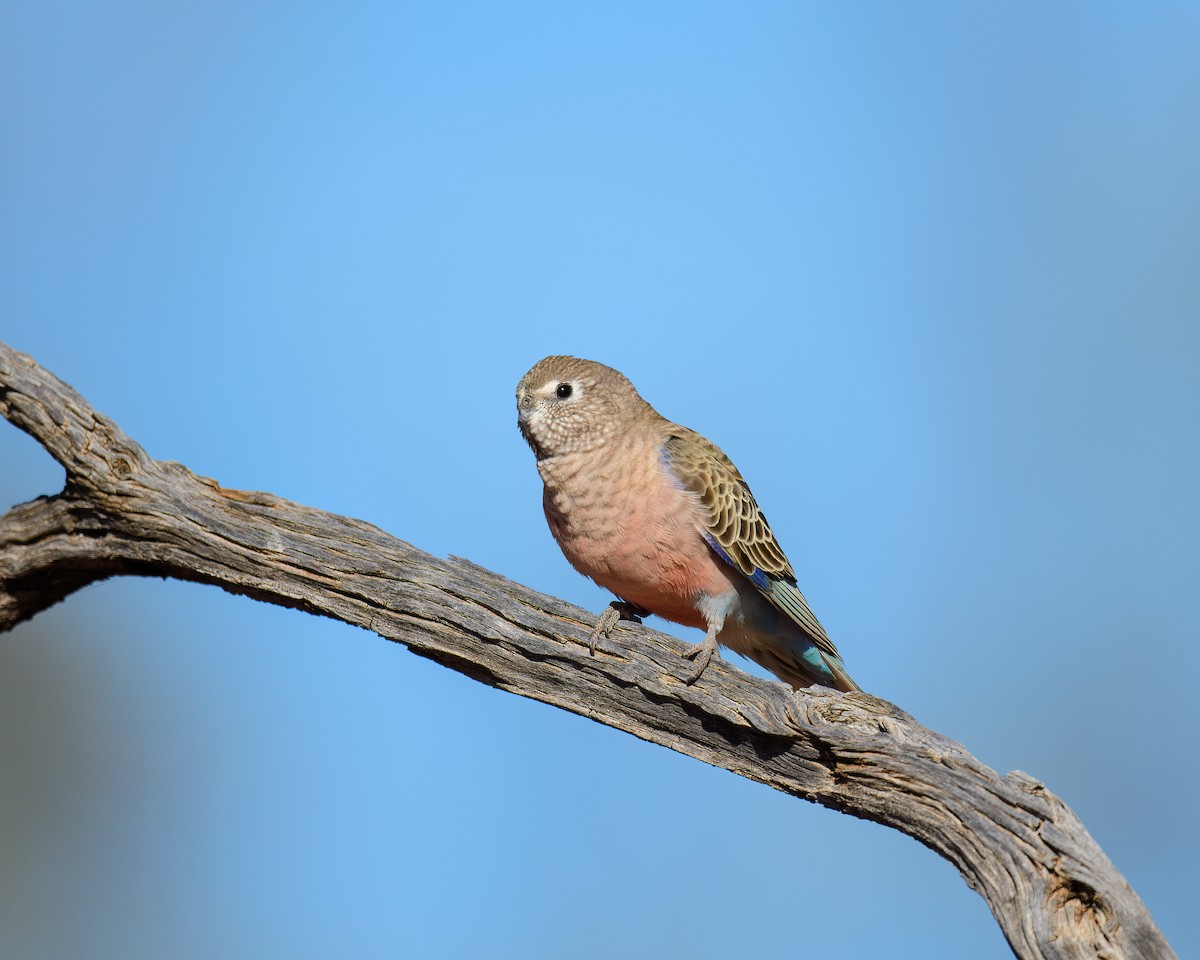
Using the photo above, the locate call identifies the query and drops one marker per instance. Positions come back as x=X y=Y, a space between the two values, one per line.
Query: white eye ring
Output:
x=562 y=389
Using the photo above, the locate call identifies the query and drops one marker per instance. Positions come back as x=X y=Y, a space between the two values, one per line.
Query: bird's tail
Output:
x=803 y=652
x=807 y=667
x=841 y=679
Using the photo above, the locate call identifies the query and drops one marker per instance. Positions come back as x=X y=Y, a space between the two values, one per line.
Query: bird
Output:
x=659 y=516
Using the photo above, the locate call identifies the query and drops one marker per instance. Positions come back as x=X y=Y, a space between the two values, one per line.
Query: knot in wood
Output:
x=1082 y=915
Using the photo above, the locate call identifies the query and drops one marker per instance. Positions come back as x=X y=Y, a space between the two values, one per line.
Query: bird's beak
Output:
x=524 y=413
x=524 y=406
x=524 y=409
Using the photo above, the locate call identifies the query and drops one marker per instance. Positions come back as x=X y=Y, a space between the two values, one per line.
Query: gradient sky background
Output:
x=929 y=273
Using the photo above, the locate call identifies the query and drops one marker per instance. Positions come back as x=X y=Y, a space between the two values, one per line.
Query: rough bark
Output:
x=1051 y=888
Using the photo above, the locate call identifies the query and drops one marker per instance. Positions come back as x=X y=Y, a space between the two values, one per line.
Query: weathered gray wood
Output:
x=1051 y=888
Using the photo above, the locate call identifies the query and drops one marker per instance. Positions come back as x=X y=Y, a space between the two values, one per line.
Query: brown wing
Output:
x=736 y=528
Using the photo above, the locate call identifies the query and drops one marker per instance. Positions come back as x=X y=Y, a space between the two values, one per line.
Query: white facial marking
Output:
x=551 y=388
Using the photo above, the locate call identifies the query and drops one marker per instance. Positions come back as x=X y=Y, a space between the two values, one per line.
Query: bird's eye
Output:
x=564 y=390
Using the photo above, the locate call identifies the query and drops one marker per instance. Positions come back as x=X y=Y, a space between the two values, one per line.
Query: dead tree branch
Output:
x=1051 y=888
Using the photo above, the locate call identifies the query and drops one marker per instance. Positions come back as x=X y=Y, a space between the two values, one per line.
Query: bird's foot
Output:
x=615 y=612
x=702 y=653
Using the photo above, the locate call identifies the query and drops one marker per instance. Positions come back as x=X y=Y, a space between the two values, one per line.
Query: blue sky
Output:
x=928 y=273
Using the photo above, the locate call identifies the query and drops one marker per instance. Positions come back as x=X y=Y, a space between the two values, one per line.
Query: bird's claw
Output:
x=615 y=612
x=702 y=653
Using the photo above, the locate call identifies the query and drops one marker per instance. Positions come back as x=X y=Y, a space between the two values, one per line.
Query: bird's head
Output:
x=568 y=405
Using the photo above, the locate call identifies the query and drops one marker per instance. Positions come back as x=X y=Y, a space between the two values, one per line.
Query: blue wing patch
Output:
x=758 y=578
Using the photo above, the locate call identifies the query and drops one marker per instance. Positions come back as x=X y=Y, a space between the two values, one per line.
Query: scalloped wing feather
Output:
x=738 y=531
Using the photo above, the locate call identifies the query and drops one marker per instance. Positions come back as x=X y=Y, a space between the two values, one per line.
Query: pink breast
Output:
x=646 y=549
